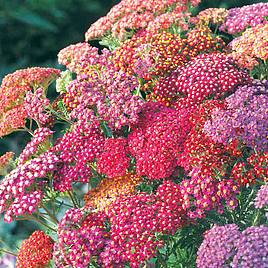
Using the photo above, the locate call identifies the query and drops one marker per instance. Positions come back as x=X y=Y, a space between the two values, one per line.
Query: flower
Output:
x=40 y=137
x=139 y=15
x=36 y=251
x=113 y=160
x=218 y=246
x=108 y=190
x=156 y=139
x=244 y=117
x=81 y=235
x=21 y=189
x=206 y=76
x=261 y=199
x=251 y=46
x=239 y=19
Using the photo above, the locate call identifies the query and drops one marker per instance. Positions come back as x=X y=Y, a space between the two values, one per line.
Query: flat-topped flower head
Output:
x=137 y=15
x=36 y=251
x=244 y=118
x=251 y=47
x=108 y=190
x=206 y=76
x=240 y=18
x=5 y=160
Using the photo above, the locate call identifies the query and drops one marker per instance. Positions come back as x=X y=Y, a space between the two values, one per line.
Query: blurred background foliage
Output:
x=31 y=34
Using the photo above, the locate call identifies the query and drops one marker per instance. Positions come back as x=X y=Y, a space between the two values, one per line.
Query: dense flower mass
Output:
x=113 y=160
x=261 y=199
x=238 y=19
x=20 y=190
x=211 y=15
x=148 y=55
x=108 y=190
x=5 y=159
x=206 y=76
x=81 y=235
x=136 y=15
x=244 y=117
x=36 y=251
x=156 y=140
x=251 y=46
x=225 y=245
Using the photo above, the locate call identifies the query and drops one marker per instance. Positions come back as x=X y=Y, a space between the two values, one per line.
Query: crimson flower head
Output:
x=36 y=251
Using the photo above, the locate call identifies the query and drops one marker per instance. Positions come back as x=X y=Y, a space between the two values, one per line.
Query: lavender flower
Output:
x=245 y=117
x=252 y=248
x=239 y=19
x=225 y=246
x=218 y=246
x=261 y=199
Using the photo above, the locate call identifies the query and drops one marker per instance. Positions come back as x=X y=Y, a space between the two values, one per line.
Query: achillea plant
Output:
x=162 y=161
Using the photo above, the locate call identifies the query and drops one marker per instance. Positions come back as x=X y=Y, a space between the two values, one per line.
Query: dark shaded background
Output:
x=31 y=34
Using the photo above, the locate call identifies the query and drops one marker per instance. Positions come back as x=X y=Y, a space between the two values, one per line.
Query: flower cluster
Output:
x=136 y=15
x=261 y=199
x=5 y=160
x=113 y=160
x=81 y=235
x=73 y=56
x=218 y=246
x=20 y=191
x=244 y=117
x=35 y=105
x=40 y=137
x=207 y=75
x=136 y=219
x=108 y=190
x=203 y=193
x=225 y=245
x=36 y=251
x=15 y=85
x=76 y=150
x=156 y=140
x=210 y=16
x=251 y=46
x=148 y=55
x=239 y=19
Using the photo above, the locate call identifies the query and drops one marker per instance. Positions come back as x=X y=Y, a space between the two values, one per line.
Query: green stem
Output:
x=33 y=218
x=52 y=216
x=72 y=199
x=8 y=252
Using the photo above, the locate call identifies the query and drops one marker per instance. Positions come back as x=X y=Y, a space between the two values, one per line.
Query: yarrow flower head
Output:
x=81 y=236
x=74 y=55
x=40 y=137
x=261 y=199
x=76 y=150
x=244 y=117
x=156 y=139
x=210 y=16
x=226 y=245
x=136 y=219
x=36 y=251
x=21 y=189
x=108 y=190
x=139 y=15
x=238 y=19
x=251 y=47
x=218 y=246
x=207 y=75
x=15 y=85
x=113 y=160
x=5 y=160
